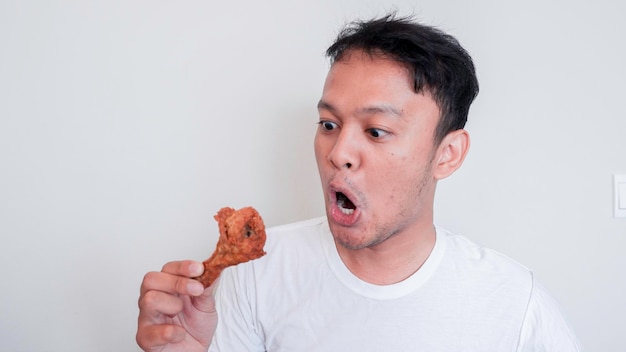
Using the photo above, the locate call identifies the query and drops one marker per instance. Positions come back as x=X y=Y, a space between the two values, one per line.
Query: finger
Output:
x=152 y=336
x=173 y=284
x=154 y=304
x=188 y=268
x=206 y=301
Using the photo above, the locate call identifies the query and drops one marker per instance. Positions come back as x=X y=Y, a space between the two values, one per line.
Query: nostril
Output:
x=348 y=165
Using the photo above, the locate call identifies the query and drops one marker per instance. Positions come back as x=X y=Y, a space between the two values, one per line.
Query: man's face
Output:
x=375 y=151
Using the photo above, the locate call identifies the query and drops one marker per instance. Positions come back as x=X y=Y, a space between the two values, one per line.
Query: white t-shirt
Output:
x=301 y=297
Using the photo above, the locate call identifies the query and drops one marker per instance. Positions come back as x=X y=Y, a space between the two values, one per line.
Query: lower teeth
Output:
x=345 y=211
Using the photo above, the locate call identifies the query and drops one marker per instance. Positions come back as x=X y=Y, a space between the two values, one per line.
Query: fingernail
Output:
x=196 y=269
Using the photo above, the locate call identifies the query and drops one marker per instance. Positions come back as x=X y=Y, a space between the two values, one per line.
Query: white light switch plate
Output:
x=619 y=189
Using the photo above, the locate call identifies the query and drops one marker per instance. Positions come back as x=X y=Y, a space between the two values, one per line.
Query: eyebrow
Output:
x=381 y=108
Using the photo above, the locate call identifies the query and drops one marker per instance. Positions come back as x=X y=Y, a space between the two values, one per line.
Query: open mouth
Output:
x=344 y=204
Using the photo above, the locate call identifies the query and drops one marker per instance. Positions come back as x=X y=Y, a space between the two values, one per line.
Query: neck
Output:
x=392 y=260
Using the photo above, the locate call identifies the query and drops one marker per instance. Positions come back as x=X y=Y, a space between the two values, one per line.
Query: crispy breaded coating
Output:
x=242 y=237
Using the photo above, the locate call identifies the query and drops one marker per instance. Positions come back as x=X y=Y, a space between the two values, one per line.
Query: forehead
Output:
x=359 y=76
x=364 y=66
x=362 y=81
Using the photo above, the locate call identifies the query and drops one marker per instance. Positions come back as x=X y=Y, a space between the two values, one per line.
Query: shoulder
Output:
x=478 y=259
x=542 y=325
x=486 y=276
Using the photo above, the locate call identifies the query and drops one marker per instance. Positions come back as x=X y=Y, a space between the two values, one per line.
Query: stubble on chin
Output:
x=363 y=239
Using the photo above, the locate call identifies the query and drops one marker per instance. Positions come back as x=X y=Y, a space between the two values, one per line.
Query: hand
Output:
x=176 y=313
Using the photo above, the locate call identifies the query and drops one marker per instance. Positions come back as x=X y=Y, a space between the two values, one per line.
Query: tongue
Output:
x=344 y=201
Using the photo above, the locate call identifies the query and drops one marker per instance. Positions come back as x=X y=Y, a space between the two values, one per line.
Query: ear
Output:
x=451 y=153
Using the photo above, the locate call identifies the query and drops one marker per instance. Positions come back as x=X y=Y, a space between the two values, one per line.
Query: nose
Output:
x=345 y=153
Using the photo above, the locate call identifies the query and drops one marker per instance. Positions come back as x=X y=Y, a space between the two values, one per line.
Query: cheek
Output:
x=403 y=172
x=399 y=160
x=317 y=148
x=394 y=172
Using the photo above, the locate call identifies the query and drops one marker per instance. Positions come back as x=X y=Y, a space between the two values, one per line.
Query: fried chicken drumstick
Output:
x=242 y=237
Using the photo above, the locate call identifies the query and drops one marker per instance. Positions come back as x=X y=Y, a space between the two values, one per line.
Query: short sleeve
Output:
x=544 y=328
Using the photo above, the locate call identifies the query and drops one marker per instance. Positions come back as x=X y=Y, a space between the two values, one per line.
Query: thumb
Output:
x=206 y=301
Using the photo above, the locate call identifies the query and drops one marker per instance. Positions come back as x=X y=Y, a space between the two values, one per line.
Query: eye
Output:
x=377 y=133
x=327 y=125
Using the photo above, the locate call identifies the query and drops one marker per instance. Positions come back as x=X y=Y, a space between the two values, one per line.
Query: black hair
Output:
x=436 y=60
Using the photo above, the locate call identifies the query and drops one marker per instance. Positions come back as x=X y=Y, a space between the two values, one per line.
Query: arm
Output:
x=176 y=313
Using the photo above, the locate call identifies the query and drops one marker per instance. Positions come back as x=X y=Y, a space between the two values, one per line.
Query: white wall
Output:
x=125 y=125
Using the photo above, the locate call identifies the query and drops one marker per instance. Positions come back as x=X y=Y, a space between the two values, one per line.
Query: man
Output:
x=375 y=274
